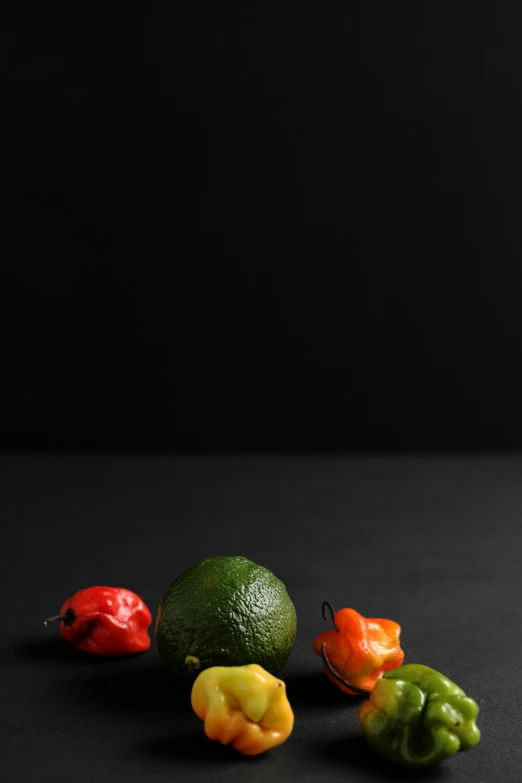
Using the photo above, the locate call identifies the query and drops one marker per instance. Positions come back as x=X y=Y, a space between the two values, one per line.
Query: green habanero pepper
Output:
x=415 y=716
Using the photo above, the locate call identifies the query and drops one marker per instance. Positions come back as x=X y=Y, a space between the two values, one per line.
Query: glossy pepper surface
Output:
x=244 y=706
x=360 y=649
x=109 y=621
x=417 y=717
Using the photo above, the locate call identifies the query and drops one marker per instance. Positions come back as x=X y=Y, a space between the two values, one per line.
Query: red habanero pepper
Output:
x=105 y=621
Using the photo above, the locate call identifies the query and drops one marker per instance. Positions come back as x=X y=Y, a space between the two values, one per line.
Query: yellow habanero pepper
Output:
x=243 y=705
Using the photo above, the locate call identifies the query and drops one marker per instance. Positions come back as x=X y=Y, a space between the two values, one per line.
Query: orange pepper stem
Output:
x=354 y=688
x=327 y=605
x=68 y=617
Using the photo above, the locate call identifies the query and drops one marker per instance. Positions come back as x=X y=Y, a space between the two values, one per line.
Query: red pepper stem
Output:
x=354 y=688
x=68 y=617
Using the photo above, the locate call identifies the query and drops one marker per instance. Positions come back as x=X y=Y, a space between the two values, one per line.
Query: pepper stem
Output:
x=354 y=688
x=327 y=605
x=68 y=617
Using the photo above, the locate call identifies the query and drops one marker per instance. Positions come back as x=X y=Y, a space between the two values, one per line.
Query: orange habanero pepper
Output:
x=359 y=651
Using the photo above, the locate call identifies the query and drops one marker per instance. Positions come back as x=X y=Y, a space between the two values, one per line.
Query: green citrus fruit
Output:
x=225 y=611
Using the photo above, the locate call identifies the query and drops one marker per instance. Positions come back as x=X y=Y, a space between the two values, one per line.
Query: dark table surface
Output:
x=432 y=542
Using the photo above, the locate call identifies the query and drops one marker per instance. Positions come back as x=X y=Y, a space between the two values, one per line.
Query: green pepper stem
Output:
x=68 y=617
x=354 y=688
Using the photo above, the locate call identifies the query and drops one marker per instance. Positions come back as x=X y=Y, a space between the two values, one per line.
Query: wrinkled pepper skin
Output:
x=108 y=621
x=416 y=717
x=361 y=649
x=244 y=706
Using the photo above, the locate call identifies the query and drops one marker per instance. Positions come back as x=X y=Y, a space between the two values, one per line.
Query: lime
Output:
x=225 y=611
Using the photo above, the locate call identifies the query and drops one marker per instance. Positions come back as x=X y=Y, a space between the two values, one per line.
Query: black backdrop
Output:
x=271 y=226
